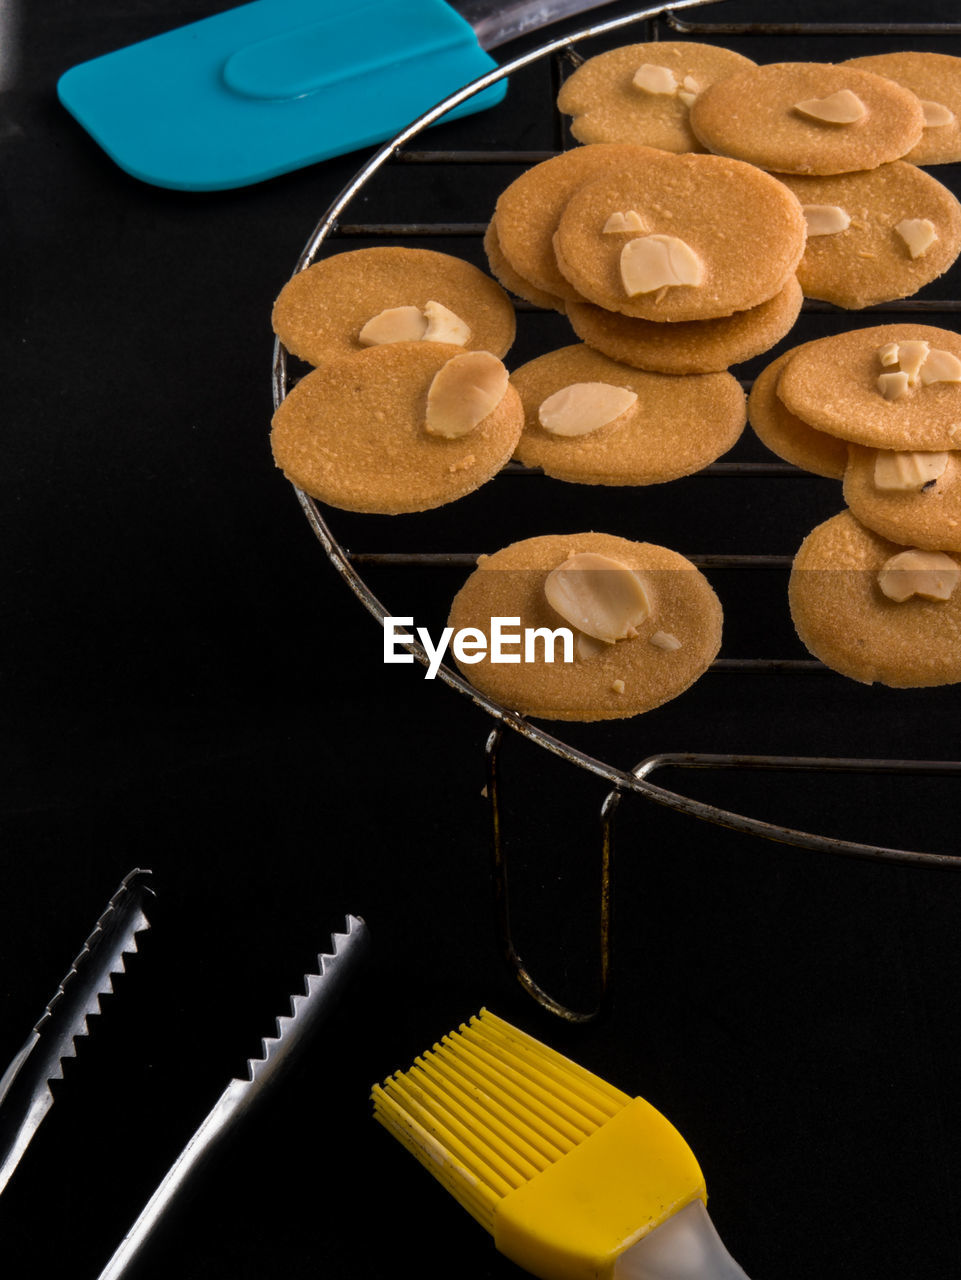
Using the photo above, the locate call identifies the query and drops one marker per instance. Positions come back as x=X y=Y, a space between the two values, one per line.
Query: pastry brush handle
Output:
x=685 y=1247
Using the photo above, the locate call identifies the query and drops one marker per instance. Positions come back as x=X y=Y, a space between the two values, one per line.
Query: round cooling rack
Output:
x=639 y=779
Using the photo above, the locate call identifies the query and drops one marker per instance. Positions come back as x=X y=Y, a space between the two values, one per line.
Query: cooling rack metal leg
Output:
x=502 y=896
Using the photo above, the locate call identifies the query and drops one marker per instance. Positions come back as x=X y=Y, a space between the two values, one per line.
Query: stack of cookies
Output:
x=669 y=263
x=875 y=592
x=409 y=405
x=670 y=268
x=846 y=139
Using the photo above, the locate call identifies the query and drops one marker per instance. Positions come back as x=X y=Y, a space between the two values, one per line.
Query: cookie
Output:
x=673 y=427
x=512 y=280
x=728 y=234
x=914 y=499
x=527 y=212
x=688 y=346
x=643 y=92
x=935 y=78
x=321 y=311
x=841 y=385
x=354 y=434
x=784 y=433
x=671 y=646
x=860 y=249
x=845 y=619
x=808 y=117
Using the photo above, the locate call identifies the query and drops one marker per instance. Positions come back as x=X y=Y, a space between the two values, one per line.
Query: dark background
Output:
x=189 y=687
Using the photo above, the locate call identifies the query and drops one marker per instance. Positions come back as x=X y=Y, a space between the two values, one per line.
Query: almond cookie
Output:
x=911 y=498
x=653 y=625
x=935 y=78
x=512 y=280
x=876 y=235
x=703 y=237
x=323 y=312
x=643 y=92
x=893 y=386
x=590 y=420
x=527 y=212
x=785 y=434
x=401 y=427
x=808 y=117
x=688 y=346
x=850 y=608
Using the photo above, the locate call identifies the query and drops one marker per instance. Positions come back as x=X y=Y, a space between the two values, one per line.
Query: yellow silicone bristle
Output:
x=489 y=1108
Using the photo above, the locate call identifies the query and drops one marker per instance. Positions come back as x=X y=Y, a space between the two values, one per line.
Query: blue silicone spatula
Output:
x=279 y=84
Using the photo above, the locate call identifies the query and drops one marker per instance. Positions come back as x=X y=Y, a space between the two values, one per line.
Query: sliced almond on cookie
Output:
x=843 y=107
x=583 y=407
x=929 y=574
x=598 y=595
x=464 y=391
x=655 y=262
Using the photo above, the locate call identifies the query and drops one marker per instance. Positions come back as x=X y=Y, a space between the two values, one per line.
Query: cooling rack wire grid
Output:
x=335 y=232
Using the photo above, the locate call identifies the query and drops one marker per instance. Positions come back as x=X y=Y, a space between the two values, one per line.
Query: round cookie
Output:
x=785 y=434
x=935 y=78
x=353 y=433
x=832 y=384
x=623 y=679
x=752 y=115
x=527 y=212
x=844 y=619
x=320 y=311
x=512 y=280
x=608 y=106
x=746 y=228
x=688 y=346
x=869 y=262
x=928 y=517
x=676 y=426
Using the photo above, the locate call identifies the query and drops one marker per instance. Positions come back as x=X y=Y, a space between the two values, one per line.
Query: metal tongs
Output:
x=25 y=1096
x=321 y=991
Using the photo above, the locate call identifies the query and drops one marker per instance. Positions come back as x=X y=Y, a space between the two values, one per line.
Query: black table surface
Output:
x=189 y=687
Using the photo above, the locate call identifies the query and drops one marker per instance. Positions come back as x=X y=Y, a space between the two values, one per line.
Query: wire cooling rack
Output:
x=343 y=223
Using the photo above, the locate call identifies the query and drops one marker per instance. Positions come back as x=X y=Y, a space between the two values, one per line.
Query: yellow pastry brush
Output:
x=574 y=1179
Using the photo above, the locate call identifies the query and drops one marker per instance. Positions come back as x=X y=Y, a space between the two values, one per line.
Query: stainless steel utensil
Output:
x=25 y=1095
x=322 y=989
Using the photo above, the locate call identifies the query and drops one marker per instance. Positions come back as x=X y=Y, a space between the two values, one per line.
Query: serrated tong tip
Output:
x=308 y=1010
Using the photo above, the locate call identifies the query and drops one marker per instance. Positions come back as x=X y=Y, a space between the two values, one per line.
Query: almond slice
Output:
x=650 y=263
x=445 y=326
x=598 y=595
x=654 y=79
x=893 y=385
x=664 y=640
x=583 y=407
x=918 y=234
x=843 y=107
x=936 y=114
x=911 y=356
x=464 y=391
x=929 y=574
x=907 y=471
x=396 y=324
x=630 y=220
x=825 y=219
x=940 y=366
